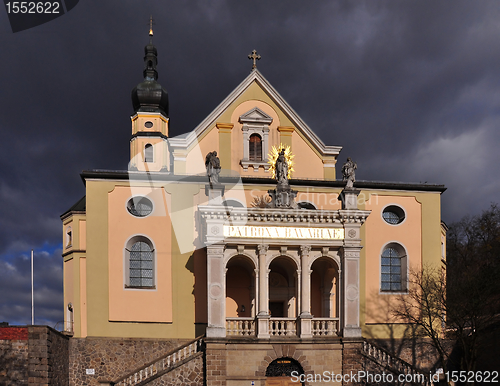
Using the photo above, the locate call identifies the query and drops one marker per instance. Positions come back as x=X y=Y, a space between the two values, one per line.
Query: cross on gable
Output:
x=255 y=57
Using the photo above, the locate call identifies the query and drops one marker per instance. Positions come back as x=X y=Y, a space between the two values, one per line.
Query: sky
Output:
x=410 y=89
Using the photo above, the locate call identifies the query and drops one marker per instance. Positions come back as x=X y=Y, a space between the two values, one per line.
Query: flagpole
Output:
x=32 y=296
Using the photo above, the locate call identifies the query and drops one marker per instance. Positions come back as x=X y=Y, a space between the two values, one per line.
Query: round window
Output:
x=140 y=206
x=148 y=124
x=393 y=214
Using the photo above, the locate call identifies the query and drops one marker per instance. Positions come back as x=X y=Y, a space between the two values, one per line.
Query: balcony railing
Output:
x=240 y=326
x=325 y=326
x=282 y=327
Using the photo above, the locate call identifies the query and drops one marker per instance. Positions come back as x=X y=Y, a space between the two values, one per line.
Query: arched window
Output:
x=305 y=205
x=140 y=256
x=148 y=153
x=393 y=268
x=255 y=150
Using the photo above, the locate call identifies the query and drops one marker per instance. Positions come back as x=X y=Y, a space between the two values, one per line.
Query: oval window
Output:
x=148 y=124
x=140 y=206
x=393 y=214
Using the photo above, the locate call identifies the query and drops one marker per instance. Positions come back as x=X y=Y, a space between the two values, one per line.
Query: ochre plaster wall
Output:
x=195 y=160
x=308 y=164
x=419 y=234
x=132 y=304
x=98 y=269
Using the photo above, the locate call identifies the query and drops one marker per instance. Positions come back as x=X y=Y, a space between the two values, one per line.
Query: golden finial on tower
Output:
x=151 y=26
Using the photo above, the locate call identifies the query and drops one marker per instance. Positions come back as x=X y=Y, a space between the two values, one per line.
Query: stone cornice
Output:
x=253 y=216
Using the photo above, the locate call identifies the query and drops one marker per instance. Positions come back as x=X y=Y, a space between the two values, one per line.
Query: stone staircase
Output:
x=393 y=364
x=161 y=366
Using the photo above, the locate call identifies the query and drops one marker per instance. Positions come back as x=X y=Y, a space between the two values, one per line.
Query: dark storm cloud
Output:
x=409 y=88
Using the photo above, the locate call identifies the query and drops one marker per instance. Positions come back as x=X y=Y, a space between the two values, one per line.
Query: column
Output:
x=216 y=291
x=305 y=296
x=263 y=316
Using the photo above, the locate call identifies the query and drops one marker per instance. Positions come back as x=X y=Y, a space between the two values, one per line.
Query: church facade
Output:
x=241 y=232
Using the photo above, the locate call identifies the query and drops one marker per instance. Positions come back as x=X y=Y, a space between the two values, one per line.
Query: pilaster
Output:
x=305 y=300
x=286 y=135
x=216 y=291
x=225 y=130
x=263 y=315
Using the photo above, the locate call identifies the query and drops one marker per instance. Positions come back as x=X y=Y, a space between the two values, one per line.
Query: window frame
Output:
x=253 y=148
x=149 y=153
x=398 y=208
x=255 y=121
x=135 y=200
x=402 y=251
x=126 y=272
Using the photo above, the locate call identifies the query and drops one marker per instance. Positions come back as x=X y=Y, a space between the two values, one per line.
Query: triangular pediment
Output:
x=255 y=115
x=255 y=77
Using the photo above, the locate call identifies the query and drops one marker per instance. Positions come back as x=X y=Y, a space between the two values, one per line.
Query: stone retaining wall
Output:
x=13 y=357
x=112 y=358
x=35 y=355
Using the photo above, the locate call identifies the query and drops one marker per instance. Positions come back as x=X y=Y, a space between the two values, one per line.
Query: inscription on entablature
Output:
x=245 y=231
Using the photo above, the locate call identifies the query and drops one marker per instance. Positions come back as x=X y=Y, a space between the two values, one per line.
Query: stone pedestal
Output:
x=214 y=192
x=216 y=292
x=263 y=326
x=283 y=197
x=349 y=198
x=305 y=324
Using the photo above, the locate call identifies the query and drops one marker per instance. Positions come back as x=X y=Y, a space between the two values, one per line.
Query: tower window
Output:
x=148 y=153
x=141 y=264
x=255 y=150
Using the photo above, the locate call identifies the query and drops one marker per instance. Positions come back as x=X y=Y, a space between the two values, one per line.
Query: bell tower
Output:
x=149 y=142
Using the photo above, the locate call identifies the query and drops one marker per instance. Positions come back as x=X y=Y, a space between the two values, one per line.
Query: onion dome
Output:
x=149 y=96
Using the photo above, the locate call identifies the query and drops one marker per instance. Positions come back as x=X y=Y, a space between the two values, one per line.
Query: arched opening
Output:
x=240 y=296
x=324 y=288
x=240 y=288
x=255 y=150
x=305 y=205
x=324 y=297
x=283 y=286
x=233 y=203
x=148 y=153
x=284 y=371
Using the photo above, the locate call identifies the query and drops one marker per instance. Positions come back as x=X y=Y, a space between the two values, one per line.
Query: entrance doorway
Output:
x=279 y=372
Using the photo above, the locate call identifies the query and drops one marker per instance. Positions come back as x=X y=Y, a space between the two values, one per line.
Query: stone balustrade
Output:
x=325 y=326
x=395 y=364
x=282 y=327
x=240 y=326
x=162 y=364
